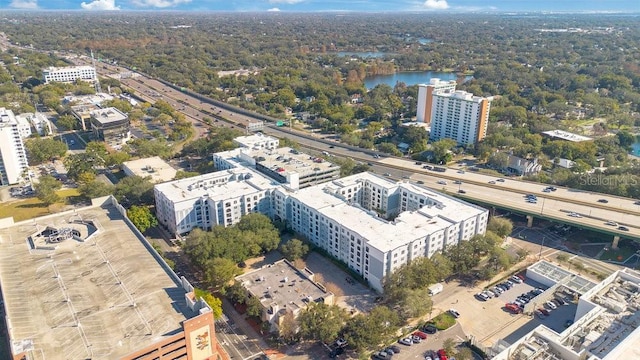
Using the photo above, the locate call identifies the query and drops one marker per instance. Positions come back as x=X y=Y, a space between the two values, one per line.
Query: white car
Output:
x=551 y=305
x=575 y=215
x=441 y=182
x=406 y=341
x=454 y=313
x=611 y=223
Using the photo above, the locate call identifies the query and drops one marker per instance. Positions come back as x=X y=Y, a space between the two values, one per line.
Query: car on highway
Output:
x=637 y=202
x=441 y=182
x=460 y=171
x=492 y=182
x=462 y=191
x=575 y=215
x=623 y=228
x=387 y=174
x=500 y=180
x=604 y=201
x=611 y=223
x=420 y=182
x=331 y=147
x=457 y=182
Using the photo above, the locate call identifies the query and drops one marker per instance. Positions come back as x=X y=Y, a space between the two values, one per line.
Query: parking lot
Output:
x=432 y=343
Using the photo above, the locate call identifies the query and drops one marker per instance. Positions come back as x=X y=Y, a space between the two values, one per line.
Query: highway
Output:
x=486 y=189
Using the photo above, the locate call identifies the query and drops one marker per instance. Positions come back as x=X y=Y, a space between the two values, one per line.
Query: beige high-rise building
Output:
x=425 y=97
x=460 y=116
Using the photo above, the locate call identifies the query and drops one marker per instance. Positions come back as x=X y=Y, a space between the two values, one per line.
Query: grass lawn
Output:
x=32 y=207
x=621 y=254
x=443 y=321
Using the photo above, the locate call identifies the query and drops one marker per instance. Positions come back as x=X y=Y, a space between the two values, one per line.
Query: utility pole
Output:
x=93 y=63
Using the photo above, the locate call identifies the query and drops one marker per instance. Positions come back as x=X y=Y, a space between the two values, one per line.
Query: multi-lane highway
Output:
x=593 y=209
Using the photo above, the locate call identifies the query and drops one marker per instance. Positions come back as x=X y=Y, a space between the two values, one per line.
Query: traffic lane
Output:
x=73 y=141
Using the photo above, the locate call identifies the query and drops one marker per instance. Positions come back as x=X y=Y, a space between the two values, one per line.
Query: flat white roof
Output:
x=108 y=115
x=251 y=140
x=88 y=99
x=69 y=68
x=462 y=95
x=565 y=135
x=189 y=188
x=382 y=234
x=154 y=167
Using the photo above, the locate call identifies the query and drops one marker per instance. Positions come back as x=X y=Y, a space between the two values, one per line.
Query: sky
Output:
x=331 y=5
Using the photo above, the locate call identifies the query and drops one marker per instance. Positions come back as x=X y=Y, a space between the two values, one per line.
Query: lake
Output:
x=409 y=78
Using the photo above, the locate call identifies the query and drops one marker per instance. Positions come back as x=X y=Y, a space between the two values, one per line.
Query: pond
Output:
x=409 y=78
x=363 y=54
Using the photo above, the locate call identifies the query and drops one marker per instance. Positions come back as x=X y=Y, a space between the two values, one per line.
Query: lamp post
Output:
x=459 y=187
x=541 y=246
x=542 y=209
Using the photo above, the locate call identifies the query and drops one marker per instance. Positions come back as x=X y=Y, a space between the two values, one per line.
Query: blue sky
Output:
x=331 y=5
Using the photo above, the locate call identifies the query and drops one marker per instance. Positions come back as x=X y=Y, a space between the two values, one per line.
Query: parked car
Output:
x=429 y=329
x=491 y=293
x=539 y=314
x=396 y=349
x=551 y=305
x=544 y=311
x=516 y=279
x=341 y=342
x=420 y=334
x=561 y=301
x=381 y=355
x=442 y=354
x=416 y=339
x=455 y=313
x=406 y=341
x=496 y=290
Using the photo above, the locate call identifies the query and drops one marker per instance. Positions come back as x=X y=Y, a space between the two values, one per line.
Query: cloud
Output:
x=274 y=10
x=436 y=4
x=290 y=2
x=24 y=4
x=100 y=5
x=159 y=3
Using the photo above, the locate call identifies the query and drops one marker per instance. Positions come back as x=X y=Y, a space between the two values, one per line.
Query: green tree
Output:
x=441 y=149
x=46 y=189
x=141 y=217
x=500 y=226
x=267 y=235
x=414 y=303
x=389 y=148
x=95 y=189
x=218 y=272
x=181 y=174
x=368 y=331
x=294 y=249
x=499 y=160
x=40 y=150
x=82 y=163
x=134 y=190
x=254 y=307
x=322 y=322
x=66 y=122
x=236 y=293
x=116 y=158
x=288 y=329
x=449 y=345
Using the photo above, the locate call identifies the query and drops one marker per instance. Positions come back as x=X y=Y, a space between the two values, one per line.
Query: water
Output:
x=409 y=78
x=424 y=41
x=635 y=148
x=363 y=55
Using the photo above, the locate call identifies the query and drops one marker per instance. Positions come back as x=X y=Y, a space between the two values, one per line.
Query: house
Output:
x=564 y=163
x=523 y=167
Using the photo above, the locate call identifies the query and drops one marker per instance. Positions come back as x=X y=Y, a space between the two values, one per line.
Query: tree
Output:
x=181 y=174
x=236 y=293
x=294 y=249
x=46 y=189
x=500 y=226
x=218 y=272
x=322 y=322
x=464 y=354
x=134 y=190
x=40 y=150
x=214 y=303
x=367 y=331
x=95 y=189
x=441 y=150
x=499 y=160
x=254 y=306
x=449 y=345
x=288 y=327
x=142 y=217
x=267 y=235
x=116 y=158
x=66 y=122
x=415 y=304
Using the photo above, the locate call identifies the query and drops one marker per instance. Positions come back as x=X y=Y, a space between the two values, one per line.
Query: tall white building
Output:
x=459 y=116
x=69 y=74
x=425 y=97
x=13 y=157
x=348 y=219
x=24 y=126
x=38 y=122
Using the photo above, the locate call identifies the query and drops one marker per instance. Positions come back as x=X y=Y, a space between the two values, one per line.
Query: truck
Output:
x=435 y=289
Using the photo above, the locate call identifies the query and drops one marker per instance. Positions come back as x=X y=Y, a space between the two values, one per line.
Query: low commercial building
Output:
x=565 y=135
x=257 y=142
x=83 y=105
x=38 y=122
x=69 y=74
x=522 y=167
x=111 y=126
x=375 y=225
x=153 y=167
x=605 y=326
x=84 y=284
x=283 y=291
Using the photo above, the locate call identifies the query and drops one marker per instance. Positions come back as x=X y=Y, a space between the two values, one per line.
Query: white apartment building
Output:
x=24 y=126
x=38 y=122
x=13 y=157
x=219 y=198
x=69 y=74
x=459 y=116
x=425 y=97
x=257 y=142
x=347 y=218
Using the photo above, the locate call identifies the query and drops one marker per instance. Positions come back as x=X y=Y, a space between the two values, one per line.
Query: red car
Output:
x=442 y=354
x=420 y=334
x=514 y=308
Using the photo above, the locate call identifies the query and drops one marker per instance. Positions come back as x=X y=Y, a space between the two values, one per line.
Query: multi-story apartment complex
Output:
x=219 y=198
x=375 y=225
x=460 y=116
x=38 y=122
x=425 y=97
x=13 y=157
x=69 y=74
